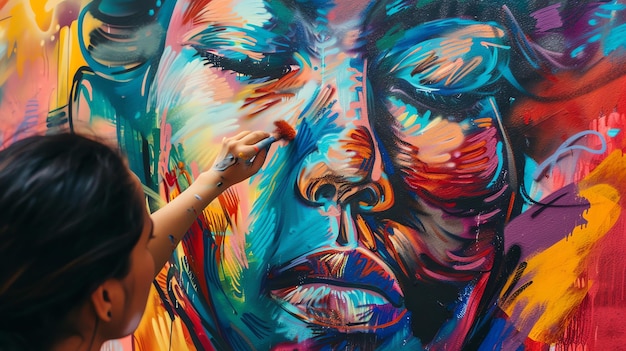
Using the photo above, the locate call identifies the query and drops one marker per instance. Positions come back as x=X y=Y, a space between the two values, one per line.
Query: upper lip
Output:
x=350 y=269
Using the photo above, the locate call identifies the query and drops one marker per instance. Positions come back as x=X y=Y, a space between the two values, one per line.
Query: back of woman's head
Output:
x=70 y=215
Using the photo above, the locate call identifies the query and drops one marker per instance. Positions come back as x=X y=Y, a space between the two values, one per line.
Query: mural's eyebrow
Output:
x=250 y=42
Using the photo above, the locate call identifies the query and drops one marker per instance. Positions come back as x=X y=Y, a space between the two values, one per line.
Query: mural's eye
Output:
x=447 y=64
x=402 y=96
x=270 y=67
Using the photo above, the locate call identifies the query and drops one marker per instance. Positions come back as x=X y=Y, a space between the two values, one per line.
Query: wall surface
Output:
x=455 y=183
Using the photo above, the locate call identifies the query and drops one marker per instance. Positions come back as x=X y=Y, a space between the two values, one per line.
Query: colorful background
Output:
x=455 y=182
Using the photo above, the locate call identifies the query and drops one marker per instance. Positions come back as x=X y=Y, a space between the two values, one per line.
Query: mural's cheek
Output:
x=452 y=169
x=264 y=88
x=188 y=95
x=444 y=160
x=464 y=170
x=440 y=251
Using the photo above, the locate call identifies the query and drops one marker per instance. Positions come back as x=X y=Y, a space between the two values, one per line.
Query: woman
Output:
x=78 y=248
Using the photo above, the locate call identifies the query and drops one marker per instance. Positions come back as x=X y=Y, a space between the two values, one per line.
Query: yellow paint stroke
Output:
x=157 y=331
x=32 y=33
x=69 y=60
x=43 y=14
x=558 y=273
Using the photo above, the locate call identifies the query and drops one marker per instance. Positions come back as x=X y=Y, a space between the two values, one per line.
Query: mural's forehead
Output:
x=321 y=13
x=272 y=13
x=525 y=11
x=229 y=12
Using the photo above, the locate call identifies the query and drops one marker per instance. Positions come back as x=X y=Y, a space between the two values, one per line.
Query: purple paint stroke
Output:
x=548 y=18
x=67 y=13
x=577 y=31
x=548 y=222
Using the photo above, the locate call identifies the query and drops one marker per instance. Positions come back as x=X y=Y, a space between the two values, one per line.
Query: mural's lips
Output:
x=341 y=289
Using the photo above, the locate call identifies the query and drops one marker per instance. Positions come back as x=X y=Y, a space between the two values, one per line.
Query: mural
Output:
x=455 y=184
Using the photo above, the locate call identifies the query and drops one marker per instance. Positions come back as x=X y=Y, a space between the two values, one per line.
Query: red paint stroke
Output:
x=194 y=10
x=567 y=105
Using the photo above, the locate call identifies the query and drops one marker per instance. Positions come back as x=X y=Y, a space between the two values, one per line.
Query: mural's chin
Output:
x=347 y=290
x=345 y=309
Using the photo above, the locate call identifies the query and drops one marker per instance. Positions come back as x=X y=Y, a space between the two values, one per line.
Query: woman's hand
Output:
x=239 y=159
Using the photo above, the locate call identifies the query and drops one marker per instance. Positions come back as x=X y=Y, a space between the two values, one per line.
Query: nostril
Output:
x=325 y=193
x=366 y=198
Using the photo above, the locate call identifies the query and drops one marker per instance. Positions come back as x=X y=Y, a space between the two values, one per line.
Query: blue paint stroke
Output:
x=613 y=132
x=615 y=39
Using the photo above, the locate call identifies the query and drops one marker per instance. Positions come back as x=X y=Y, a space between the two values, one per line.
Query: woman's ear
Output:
x=107 y=298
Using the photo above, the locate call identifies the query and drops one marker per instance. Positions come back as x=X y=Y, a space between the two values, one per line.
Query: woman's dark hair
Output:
x=70 y=216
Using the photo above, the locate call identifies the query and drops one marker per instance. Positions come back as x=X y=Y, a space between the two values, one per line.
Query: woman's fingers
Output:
x=254 y=137
x=239 y=159
x=240 y=151
x=245 y=147
x=248 y=137
x=238 y=136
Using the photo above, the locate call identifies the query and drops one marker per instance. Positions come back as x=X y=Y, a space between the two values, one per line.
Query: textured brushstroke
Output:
x=450 y=186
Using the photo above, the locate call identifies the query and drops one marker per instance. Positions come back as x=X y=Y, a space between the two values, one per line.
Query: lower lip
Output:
x=342 y=308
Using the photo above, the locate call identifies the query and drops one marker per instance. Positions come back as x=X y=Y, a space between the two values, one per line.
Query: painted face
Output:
x=378 y=226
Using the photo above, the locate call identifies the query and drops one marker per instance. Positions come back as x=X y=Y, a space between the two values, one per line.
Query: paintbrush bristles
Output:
x=284 y=130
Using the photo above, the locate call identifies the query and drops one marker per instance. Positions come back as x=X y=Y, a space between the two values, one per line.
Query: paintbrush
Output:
x=284 y=131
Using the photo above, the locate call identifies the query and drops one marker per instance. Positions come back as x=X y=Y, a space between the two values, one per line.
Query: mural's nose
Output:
x=331 y=189
x=345 y=179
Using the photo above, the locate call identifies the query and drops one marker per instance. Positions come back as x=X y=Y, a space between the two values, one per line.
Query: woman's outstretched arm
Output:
x=231 y=166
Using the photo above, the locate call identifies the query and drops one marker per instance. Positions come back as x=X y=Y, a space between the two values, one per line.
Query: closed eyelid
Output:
x=271 y=66
x=449 y=57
